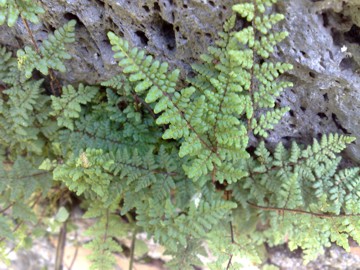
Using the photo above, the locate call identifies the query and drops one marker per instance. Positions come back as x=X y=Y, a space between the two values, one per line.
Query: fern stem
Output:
x=30 y=34
x=231 y=236
x=232 y=242
x=251 y=90
x=229 y=263
x=140 y=100
x=300 y=211
x=76 y=251
x=61 y=247
x=6 y=208
x=132 y=249
x=53 y=81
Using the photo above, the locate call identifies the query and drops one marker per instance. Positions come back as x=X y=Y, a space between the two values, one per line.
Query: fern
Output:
x=68 y=106
x=50 y=55
x=144 y=154
x=9 y=73
x=303 y=182
x=24 y=115
x=21 y=185
x=10 y=10
x=212 y=120
x=211 y=116
x=103 y=245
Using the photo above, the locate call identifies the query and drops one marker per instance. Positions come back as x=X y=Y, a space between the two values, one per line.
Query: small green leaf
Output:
x=141 y=248
x=62 y=215
x=46 y=165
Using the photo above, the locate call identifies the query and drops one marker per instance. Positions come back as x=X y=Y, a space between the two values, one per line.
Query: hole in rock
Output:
x=157 y=7
x=146 y=8
x=142 y=37
x=325 y=19
x=353 y=35
x=71 y=16
x=100 y=3
x=322 y=115
x=312 y=74
x=338 y=124
x=348 y=63
x=337 y=37
x=287 y=138
x=167 y=33
x=50 y=27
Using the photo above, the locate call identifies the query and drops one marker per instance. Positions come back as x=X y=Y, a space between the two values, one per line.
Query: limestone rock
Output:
x=323 y=46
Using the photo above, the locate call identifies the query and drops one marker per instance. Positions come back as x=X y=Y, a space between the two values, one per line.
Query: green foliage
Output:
x=305 y=184
x=51 y=53
x=12 y=9
x=143 y=154
x=26 y=130
x=106 y=227
x=211 y=116
x=68 y=106
x=9 y=73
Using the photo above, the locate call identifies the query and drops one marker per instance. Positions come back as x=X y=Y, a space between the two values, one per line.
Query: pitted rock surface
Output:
x=326 y=93
x=323 y=46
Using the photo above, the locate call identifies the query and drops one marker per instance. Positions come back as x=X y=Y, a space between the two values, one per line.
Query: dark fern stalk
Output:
x=55 y=85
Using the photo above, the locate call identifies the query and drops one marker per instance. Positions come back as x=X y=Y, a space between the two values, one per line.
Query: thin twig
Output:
x=6 y=208
x=213 y=174
x=54 y=83
x=132 y=250
x=232 y=242
x=76 y=252
x=61 y=247
x=147 y=106
x=229 y=263
x=300 y=211
x=30 y=34
x=231 y=235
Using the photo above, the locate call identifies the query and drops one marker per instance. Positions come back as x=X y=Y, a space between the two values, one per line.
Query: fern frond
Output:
x=22 y=178
x=103 y=245
x=85 y=174
x=24 y=116
x=9 y=72
x=267 y=121
x=10 y=10
x=51 y=54
x=68 y=106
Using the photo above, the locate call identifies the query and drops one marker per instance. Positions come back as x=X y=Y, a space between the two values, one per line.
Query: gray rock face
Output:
x=325 y=96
